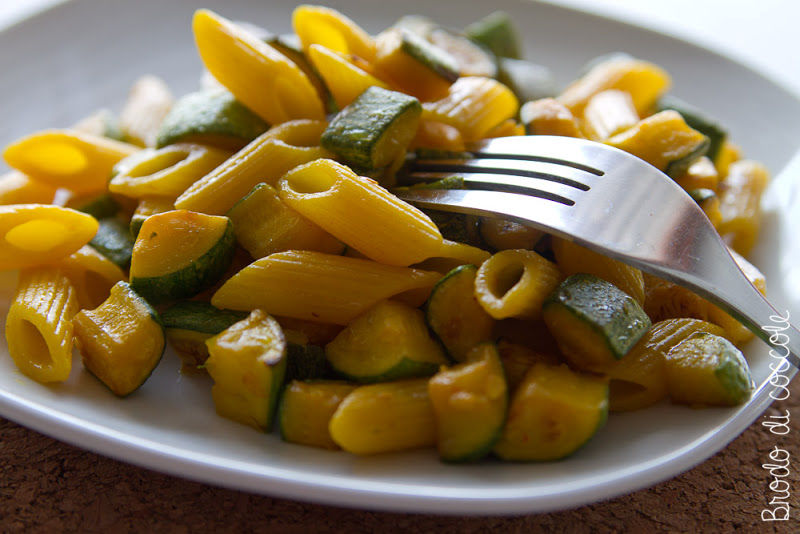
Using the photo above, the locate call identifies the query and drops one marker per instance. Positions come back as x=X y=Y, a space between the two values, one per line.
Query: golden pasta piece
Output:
x=16 y=188
x=148 y=103
x=344 y=79
x=39 y=324
x=166 y=172
x=515 y=283
x=67 y=158
x=547 y=116
x=507 y=128
x=608 y=113
x=265 y=159
x=501 y=234
x=740 y=204
x=38 y=234
x=700 y=175
x=728 y=154
x=259 y=76
x=474 y=105
x=92 y=275
x=437 y=135
x=318 y=287
x=329 y=28
x=344 y=204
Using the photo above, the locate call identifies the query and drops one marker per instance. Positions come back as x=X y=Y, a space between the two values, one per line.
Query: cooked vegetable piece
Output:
x=375 y=129
x=518 y=359
x=179 y=253
x=98 y=206
x=552 y=414
x=247 y=362
x=438 y=136
x=304 y=361
x=388 y=342
x=699 y=121
x=728 y=154
x=470 y=402
x=149 y=101
x=39 y=324
x=103 y=123
x=501 y=234
x=345 y=80
x=146 y=207
x=306 y=409
x=454 y=314
x=709 y=202
x=707 y=370
x=189 y=324
x=113 y=240
x=213 y=118
x=515 y=283
x=473 y=59
x=608 y=113
x=388 y=417
x=38 y=234
x=92 y=275
x=528 y=80
x=663 y=140
x=573 y=259
x=263 y=225
x=594 y=322
x=496 y=32
x=740 y=204
x=548 y=116
x=507 y=128
x=700 y=175
x=121 y=341
x=290 y=46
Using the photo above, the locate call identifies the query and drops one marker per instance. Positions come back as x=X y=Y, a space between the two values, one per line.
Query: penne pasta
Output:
x=740 y=204
x=148 y=103
x=344 y=79
x=92 y=276
x=608 y=113
x=331 y=29
x=16 y=188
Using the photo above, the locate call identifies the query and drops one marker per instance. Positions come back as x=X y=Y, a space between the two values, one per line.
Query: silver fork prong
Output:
x=565 y=151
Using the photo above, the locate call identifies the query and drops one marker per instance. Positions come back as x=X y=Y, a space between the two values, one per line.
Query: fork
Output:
x=611 y=202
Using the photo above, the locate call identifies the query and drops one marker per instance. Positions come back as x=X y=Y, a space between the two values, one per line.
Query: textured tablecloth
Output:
x=48 y=486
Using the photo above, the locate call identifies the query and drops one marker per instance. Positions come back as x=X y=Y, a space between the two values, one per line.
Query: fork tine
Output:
x=565 y=151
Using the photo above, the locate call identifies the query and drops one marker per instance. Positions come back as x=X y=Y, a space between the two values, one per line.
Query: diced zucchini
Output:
x=700 y=175
x=699 y=121
x=179 y=253
x=518 y=359
x=149 y=206
x=121 y=341
x=547 y=116
x=707 y=370
x=92 y=276
x=247 y=362
x=388 y=417
x=304 y=361
x=473 y=59
x=470 y=402
x=593 y=321
x=496 y=32
x=190 y=323
x=388 y=342
x=454 y=314
x=213 y=118
x=528 y=80
x=290 y=46
x=113 y=240
x=306 y=409
x=100 y=206
x=501 y=234
x=552 y=414
x=663 y=140
x=375 y=129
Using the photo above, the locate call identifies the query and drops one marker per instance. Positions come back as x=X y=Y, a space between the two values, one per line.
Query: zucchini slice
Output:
x=496 y=32
x=706 y=369
x=304 y=360
x=99 y=206
x=213 y=118
x=470 y=402
x=388 y=342
x=179 y=253
x=375 y=129
x=593 y=321
x=306 y=409
x=518 y=359
x=190 y=323
x=388 y=417
x=247 y=362
x=699 y=121
x=528 y=80
x=121 y=341
x=553 y=413
x=113 y=240
x=148 y=206
x=454 y=314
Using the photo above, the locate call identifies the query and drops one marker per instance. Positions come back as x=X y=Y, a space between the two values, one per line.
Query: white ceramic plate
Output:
x=63 y=64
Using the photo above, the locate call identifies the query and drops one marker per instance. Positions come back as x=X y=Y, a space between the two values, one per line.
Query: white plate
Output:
x=83 y=55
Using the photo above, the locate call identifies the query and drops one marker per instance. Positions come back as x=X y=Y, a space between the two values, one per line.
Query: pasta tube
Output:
x=148 y=103
x=331 y=29
x=16 y=188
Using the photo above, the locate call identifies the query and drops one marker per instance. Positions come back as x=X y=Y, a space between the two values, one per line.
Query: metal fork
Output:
x=606 y=200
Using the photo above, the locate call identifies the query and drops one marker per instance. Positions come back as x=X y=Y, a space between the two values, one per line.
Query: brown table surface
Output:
x=48 y=486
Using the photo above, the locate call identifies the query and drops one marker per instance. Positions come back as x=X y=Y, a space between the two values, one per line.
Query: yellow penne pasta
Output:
x=67 y=158
x=474 y=105
x=514 y=283
x=507 y=128
x=149 y=101
x=740 y=204
x=166 y=172
x=317 y=287
x=16 y=188
x=39 y=324
x=329 y=28
x=700 y=175
x=432 y=134
x=257 y=74
x=37 y=234
x=345 y=204
x=608 y=113
x=265 y=159
x=92 y=275
x=728 y=154
x=548 y=116
x=344 y=79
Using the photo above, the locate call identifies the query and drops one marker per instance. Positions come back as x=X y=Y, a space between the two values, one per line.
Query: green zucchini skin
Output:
x=100 y=207
x=306 y=362
x=699 y=121
x=357 y=132
x=200 y=316
x=213 y=117
x=200 y=274
x=528 y=80
x=612 y=315
x=496 y=32
x=113 y=240
x=677 y=167
x=289 y=45
x=432 y=57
